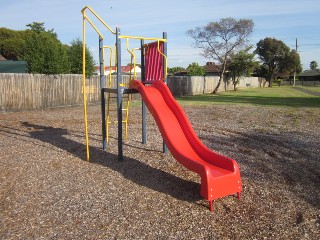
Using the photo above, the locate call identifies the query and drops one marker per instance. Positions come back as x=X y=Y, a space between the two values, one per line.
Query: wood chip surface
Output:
x=49 y=191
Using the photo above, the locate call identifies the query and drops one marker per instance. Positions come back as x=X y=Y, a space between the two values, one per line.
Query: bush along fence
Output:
x=36 y=91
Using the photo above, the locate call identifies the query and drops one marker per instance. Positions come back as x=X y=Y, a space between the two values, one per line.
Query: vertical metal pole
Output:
x=164 y=146
x=144 y=110
x=295 y=67
x=119 y=95
x=103 y=100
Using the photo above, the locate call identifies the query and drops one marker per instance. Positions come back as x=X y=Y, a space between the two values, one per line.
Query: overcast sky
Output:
x=285 y=20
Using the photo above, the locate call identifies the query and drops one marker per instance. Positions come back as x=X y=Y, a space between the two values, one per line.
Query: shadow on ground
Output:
x=130 y=168
x=278 y=158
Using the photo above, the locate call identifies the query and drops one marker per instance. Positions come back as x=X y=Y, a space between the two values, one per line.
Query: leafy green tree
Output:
x=291 y=65
x=194 y=69
x=44 y=53
x=75 y=58
x=241 y=64
x=220 y=39
x=12 y=43
x=313 y=65
x=13 y=48
x=175 y=70
x=276 y=57
x=38 y=27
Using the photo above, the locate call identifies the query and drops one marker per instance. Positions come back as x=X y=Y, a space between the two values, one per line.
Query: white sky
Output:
x=285 y=20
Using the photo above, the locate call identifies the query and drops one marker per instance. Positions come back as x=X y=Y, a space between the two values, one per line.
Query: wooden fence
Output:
x=27 y=91
x=36 y=91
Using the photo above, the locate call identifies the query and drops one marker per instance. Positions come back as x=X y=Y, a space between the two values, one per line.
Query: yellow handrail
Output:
x=166 y=62
x=134 y=63
x=143 y=38
x=110 y=64
x=97 y=16
x=133 y=59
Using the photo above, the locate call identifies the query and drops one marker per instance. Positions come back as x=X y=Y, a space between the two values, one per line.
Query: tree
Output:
x=313 y=65
x=44 y=53
x=38 y=27
x=12 y=43
x=75 y=58
x=220 y=39
x=175 y=70
x=13 y=48
x=241 y=64
x=276 y=58
x=291 y=65
x=194 y=69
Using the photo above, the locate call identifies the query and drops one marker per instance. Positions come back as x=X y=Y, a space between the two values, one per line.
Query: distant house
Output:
x=310 y=75
x=181 y=73
x=8 y=66
x=212 y=69
x=124 y=70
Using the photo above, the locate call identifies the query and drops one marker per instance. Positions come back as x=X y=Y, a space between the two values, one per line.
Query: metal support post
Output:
x=144 y=109
x=103 y=100
x=119 y=94
x=164 y=146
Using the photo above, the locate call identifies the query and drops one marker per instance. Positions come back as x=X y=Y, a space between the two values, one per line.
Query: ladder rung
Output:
x=115 y=110
x=117 y=121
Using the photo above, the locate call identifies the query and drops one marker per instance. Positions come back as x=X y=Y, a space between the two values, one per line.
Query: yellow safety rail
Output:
x=110 y=63
x=97 y=16
x=166 y=62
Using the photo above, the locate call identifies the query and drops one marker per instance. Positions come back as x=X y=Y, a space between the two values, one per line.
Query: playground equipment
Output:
x=220 y=175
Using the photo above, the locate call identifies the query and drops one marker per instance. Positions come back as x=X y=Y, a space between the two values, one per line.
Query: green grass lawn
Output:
x=285 y=96
x=315 y=89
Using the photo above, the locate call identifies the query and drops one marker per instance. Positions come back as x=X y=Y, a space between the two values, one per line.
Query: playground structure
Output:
x=220 y=175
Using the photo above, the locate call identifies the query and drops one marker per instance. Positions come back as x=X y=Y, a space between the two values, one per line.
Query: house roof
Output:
x=310 y=73
x=211 y=67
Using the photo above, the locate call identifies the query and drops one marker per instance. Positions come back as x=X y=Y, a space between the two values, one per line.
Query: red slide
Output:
x=220 y=175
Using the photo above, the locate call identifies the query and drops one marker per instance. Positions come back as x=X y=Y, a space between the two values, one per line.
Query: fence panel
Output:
x=38 y=91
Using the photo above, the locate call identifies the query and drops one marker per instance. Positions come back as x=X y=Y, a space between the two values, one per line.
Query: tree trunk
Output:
x=221 y=75
x=270 y=82
x=235 y=82
x=218 y=85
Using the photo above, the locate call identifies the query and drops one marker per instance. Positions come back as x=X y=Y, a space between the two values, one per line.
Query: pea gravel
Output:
x=49 y=191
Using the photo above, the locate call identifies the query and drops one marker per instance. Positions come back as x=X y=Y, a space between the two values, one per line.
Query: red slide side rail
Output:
x=220 y=175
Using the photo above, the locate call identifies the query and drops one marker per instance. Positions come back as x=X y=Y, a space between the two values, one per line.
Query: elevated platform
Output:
x=115 y=91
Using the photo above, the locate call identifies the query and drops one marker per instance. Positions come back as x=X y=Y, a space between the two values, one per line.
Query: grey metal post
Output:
x=144 y=110
x=164 y=146
x=119 y=95
x=103 y=100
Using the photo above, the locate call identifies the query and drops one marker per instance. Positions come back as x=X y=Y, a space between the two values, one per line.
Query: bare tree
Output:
x=220 y=39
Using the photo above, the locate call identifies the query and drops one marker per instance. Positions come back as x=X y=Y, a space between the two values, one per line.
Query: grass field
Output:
x=285 y=96
x=315 y=89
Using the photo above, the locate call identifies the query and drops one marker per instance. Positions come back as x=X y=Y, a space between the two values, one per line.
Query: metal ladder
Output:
x=111 y=107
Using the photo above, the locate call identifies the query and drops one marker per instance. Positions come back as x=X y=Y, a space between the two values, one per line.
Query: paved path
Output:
x=314 y=93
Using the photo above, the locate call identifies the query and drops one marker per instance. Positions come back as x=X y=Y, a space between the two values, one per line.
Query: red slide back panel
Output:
x=153 y=62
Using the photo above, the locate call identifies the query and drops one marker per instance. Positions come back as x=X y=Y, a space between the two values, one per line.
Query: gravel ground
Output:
x=49 y=191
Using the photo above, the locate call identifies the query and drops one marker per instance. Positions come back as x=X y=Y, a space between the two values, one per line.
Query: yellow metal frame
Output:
x=166 y=62
x=84 y=19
